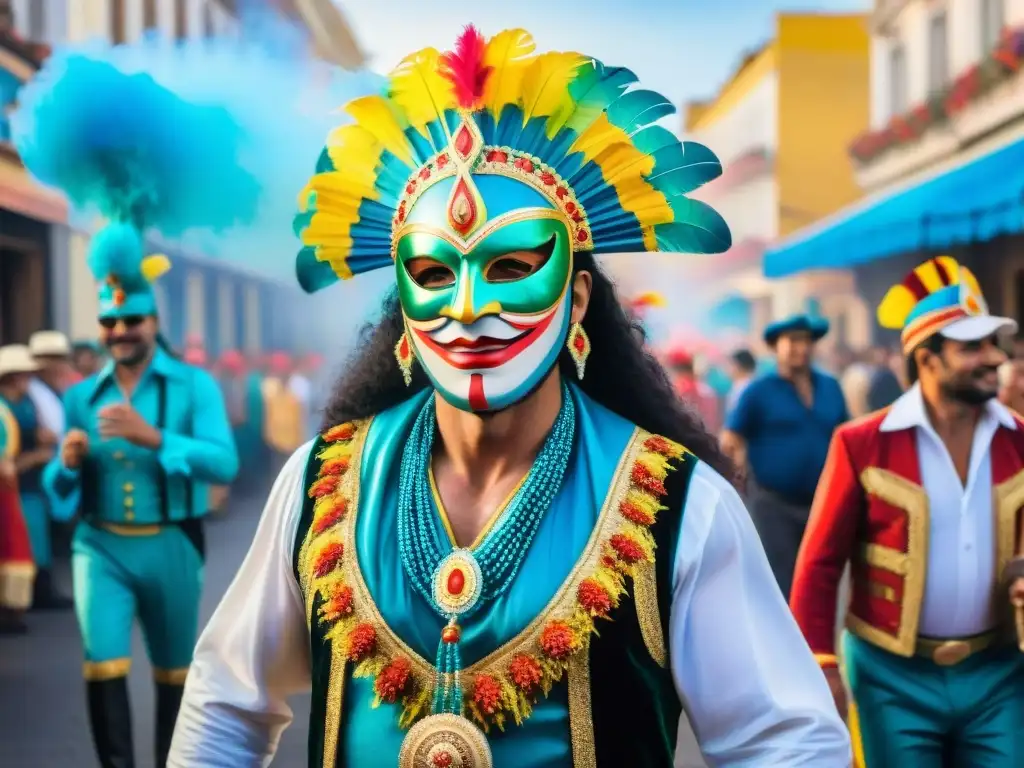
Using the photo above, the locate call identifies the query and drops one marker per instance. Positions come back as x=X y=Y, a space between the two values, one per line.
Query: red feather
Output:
x=464 y=68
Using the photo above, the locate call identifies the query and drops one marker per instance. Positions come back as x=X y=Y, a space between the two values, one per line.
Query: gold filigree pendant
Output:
x=445 y=741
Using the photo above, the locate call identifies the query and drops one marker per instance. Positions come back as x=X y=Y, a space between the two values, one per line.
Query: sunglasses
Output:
x=129 y=321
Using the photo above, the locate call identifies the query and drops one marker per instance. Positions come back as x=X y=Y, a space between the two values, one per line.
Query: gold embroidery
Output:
x=882 y=591
x=886 y=558
x=913 y=500
x=581 y=719
x=1007 y=500
x=505 y=683
x=170 y=676
x=95 y=671
x=335 y=701
x=645 y=595
x=619 y=545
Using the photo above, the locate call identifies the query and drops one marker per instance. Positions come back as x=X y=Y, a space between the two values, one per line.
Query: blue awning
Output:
x=974 y=202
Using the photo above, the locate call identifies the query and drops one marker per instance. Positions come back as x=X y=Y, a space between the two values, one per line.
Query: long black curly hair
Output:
x=621 y=374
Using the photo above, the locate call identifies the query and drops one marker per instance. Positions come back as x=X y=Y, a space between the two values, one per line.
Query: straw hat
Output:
x=49 y=344
x=16 y=358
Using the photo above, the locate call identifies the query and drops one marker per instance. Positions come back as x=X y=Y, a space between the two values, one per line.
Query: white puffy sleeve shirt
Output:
x=749 y=684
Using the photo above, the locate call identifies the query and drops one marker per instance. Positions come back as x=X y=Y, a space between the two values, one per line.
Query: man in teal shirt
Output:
x=145 y=436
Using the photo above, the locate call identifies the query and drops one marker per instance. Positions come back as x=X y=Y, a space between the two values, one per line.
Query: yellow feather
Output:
x=620 y=160
x=598 y=136
x=645 y=202
x=508 y=53
x=154 y=266
x=375 y=115
x=896 y=306
x=546 y=88
x=419 y=90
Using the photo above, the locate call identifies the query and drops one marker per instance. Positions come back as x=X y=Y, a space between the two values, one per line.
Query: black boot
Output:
x=168 y=701
x=45 y=597
x=111 y=719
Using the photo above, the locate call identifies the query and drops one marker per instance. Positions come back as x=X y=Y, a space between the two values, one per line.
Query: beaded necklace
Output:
x=456 y=581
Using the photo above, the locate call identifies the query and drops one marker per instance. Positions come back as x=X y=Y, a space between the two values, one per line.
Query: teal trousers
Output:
x=156 y=578
x=914 y=713
x=37 y=521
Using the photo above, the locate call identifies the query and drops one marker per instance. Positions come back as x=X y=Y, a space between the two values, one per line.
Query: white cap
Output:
x=978 y=327
x=16 y=358
x=49 y=344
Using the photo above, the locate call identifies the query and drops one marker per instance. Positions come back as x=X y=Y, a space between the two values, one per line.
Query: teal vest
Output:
x=568 y=669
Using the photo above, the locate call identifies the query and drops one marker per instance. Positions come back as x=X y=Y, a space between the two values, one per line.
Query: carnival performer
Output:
x=780 y=429
x=17 y=568
x=923 y=500
x=147 y=431
x=505 y=476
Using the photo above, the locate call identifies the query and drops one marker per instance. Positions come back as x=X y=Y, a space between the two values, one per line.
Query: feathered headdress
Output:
x=562 y=123
x=121 y=146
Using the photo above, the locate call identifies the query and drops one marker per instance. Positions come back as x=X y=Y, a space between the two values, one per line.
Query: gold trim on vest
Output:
x=912 y=499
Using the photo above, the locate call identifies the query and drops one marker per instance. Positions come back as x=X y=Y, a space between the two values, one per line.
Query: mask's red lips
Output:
x=480 y=344
x=485 y=351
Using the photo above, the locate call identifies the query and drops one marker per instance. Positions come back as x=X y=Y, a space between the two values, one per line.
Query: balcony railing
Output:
x=1001 y=63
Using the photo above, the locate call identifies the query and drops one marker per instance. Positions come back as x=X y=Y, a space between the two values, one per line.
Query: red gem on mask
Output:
x=462 y=209
x=463 y=142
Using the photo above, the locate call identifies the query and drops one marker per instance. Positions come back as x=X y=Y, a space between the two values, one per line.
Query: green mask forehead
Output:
x=471 y=295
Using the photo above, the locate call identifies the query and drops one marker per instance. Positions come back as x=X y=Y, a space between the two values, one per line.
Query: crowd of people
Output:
x=272 y=404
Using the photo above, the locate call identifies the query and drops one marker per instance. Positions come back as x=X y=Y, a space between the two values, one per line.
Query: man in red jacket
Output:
x=924 y=500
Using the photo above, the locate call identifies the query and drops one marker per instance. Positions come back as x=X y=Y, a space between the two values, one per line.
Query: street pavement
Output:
x=43 y=721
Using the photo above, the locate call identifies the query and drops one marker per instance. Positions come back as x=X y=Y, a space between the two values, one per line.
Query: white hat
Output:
x=16 y=358
x=49 y=344
x=979 y=327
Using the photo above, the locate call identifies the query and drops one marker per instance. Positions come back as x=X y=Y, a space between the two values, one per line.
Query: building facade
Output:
x=225 y=306
x=781 y=125
x=32 y=219
x=939 y=162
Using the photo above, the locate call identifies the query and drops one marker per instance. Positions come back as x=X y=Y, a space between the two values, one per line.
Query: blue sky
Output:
x=683 y=48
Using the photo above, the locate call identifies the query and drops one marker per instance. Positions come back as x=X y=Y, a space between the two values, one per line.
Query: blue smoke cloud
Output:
x=284 y=101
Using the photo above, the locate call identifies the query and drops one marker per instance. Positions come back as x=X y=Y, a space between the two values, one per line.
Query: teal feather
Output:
x=595 y=88
x=683 y=168
x=654 y=137
x=698 y=228
x=324 y=164
x=313 y=274
x=638 y=109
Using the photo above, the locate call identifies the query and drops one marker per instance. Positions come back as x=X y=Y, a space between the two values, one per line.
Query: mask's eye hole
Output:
x=509 y=267
x=429 y=273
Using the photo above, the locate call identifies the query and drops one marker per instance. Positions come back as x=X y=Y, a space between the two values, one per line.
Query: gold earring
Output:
x=579 y=348
x=405 y=357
